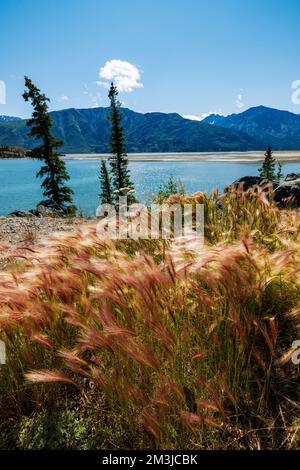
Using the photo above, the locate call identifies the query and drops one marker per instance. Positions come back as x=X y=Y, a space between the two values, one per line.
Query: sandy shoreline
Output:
x=234 y=157
x=254 y=156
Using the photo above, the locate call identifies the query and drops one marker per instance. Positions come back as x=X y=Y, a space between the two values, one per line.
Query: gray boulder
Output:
x=39 y=211
x=248 y=182
x=42 y=211
x=287 y=194
x=292 y=177
x=20 y=214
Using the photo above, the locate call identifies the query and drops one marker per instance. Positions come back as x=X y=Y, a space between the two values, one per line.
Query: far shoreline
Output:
x=255 y=156
x=247 y=157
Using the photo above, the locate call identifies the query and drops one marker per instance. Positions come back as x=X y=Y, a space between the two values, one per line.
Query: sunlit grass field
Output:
x=152 y=344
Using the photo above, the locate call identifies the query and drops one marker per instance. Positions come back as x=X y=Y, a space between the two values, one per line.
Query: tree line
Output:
x=114 y=179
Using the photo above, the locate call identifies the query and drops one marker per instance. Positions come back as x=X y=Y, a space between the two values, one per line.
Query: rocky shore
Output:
x=13 y=152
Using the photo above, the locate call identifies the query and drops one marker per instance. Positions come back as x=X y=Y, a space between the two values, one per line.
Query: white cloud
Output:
x=239 y=101
x=64 y=98
x=125 y=75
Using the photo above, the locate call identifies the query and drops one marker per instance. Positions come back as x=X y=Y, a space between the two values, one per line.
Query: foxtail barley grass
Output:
x=186 y=350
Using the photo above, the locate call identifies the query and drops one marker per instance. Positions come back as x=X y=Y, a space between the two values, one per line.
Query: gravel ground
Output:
x=31 y=230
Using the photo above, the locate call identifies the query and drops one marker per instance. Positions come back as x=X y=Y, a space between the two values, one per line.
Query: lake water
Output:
x=20 y=189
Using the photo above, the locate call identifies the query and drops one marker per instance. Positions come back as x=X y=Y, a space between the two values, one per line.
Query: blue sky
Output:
x=192 y=57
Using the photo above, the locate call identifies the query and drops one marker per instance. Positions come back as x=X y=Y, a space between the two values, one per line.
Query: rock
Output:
x=42 y=211
x=288 y=192
x=45 y=209
x=49 y=208
x=20 y=214
x=39 y=211
x=292 y=176
x=248 y=182
x=269 y=183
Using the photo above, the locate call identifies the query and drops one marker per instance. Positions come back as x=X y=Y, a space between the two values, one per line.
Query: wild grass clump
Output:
x=135 y=350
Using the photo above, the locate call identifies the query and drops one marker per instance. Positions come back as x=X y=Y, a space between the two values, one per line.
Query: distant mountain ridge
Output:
x=270 y=126
x=9 y=118
x=87 y=130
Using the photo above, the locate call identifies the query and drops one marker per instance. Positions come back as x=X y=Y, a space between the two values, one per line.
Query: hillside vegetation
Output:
x=149 y=344
x=88 y=130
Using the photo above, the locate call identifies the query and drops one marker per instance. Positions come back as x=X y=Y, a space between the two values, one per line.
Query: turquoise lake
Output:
x=20 y=189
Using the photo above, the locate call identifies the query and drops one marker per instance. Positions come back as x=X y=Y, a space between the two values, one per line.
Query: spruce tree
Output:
x=279 y=175
x=57 y=194
x=121 y=182
x=267 y=170
x=105 y=183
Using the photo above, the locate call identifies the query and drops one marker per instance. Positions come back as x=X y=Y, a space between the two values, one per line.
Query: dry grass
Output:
x=28 y=235
x=185 y=350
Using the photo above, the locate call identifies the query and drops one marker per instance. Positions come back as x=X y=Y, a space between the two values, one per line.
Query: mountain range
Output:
x=9 y=118
x=280 y=129
x=87 y=131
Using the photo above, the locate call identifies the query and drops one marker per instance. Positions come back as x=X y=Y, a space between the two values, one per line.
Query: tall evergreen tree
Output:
x=267 y=170
x=106 y=196
x=279 y=175
x=57 y=194
x=122 y=184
